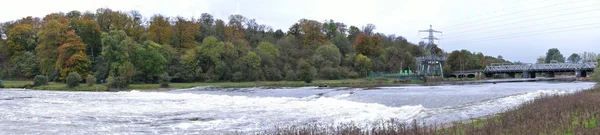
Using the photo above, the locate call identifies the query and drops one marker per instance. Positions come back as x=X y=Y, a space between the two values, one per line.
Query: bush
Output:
x=238 y=76
x=73 y=79
x=164 y=80
x=1 y=85
x=90 y=80
x=290 y=75
x=353 y=75
x=330 y=73
x=40 y=80
x=307 y=71
x=116 y=83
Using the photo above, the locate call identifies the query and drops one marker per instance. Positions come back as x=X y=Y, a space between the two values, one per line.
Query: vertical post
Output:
x=441 y=71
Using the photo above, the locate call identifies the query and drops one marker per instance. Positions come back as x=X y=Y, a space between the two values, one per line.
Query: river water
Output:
x=206 y=110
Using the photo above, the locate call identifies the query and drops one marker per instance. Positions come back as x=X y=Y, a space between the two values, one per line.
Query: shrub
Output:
x=1 y=85
x=116 y=83
x=290 y=75
x=238 y=76
x=164 y=80
x=353 y=75
x=330 y=73
x=307 y=71
x=73 y=79
x=40 y=80
x=90 y=80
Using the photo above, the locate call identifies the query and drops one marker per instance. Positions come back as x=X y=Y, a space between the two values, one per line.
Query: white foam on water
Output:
x=484 y=108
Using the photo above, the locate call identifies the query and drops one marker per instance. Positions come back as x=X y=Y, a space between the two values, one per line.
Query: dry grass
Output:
x=576 y=113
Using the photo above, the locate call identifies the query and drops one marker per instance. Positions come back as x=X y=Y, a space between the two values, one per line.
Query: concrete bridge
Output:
x=467 y=74
x=529 y=70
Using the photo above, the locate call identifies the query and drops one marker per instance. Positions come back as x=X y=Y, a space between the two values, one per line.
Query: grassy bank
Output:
x=333 y=83
x=570 y=114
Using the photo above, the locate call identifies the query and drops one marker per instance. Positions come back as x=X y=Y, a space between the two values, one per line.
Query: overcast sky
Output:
x=488 y=26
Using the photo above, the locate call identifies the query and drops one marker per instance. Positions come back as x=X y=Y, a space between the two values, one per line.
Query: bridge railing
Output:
x=541 y=67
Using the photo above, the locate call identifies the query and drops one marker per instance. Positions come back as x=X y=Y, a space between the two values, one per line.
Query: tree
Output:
x=186 y=32
x=363 y=65
x=71 y=57
x=554 y=54
x=268 y=50
x=368 y=29
x=89 y=32
x=367 y=45
x=160 y=30
x=50 y=37
x=149 y=60
x=306 y=71
x=23 y=65
x=249 y=65
x=331 y=56
x=20 y=38
x=574 y=58
x=117 y=49
x=353 y=34
x=343 y=44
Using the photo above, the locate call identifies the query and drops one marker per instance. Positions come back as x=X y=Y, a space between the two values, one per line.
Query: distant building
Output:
x=3 y=37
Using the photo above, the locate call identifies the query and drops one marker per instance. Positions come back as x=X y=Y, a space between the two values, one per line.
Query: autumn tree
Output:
x=50 y=38
x=20 y=38
x=234 y=31
x=367 y=45
x=160 y=30
x=71 y=56
x=186 y=32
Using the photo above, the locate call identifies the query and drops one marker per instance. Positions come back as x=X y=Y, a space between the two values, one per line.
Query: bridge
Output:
x=467 y=74
x=529 y=70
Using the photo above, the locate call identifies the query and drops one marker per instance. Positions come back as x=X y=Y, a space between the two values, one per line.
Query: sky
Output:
x=519 y=30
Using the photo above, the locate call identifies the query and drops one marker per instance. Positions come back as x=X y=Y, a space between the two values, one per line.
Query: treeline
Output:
x=122 y=46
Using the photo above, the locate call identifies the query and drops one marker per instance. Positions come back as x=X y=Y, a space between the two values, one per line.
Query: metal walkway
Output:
x=530 y=70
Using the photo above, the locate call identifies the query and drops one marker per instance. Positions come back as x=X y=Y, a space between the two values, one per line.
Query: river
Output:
x=207 y=110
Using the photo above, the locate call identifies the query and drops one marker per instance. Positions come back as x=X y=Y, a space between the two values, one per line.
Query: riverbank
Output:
x=156 y=87
x=576 y=113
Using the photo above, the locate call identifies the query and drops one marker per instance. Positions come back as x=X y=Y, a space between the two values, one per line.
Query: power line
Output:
x=534 y=25
x=467 y=31
x=454 y=21
x=539 y=32
x=465 y=24
x=463 y=18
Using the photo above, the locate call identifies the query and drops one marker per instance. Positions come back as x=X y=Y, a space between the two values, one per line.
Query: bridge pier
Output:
x=525 y=74
x=531 y=74
x=580 y=73
x=550 y=74
x=512 y=75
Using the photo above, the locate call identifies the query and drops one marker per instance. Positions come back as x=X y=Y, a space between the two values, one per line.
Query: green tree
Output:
x=343 y=44
x=306 y=71
x=23 y=65
x=267 y=49
x=149 y=60
x=117 y=48
x=89 y=32
x=331 y=56
x=363 y=65
x=554 y=54
x=574 y=58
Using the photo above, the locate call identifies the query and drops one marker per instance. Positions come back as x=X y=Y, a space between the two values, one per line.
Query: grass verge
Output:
x=333 y=83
